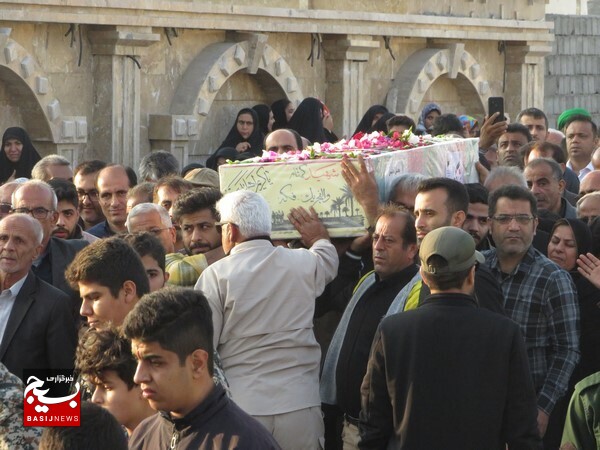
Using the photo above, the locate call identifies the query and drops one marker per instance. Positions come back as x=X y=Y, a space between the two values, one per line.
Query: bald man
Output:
x=112 y=184
x=282 y=141
x=590 y=183
x=596 y=159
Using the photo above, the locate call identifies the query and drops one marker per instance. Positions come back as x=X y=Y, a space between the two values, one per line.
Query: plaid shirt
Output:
x=542 y=299
x=184 y=270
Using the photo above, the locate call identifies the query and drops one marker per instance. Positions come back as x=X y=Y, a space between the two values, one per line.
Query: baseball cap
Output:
x=203 y=177
x=454 y=245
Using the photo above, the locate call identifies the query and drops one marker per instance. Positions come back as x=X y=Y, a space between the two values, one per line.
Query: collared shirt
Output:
x=583 y=172
x=78 y=233
x=184 y=270
x=7 y=301
x=263 y=300
x=542 y=299
x=101 y=230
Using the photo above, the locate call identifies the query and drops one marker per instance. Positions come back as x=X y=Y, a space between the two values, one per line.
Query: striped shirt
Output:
x=542 y=299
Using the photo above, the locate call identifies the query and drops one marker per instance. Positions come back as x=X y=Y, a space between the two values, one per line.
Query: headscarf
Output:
x=255 y=139
x=308 y=121
x=428 y=108
x=263 y=117
x=29 y=155
x=278 y=107
x=367 y=120
x=566 y=115
x=581 y=233
x=468 y=122
x=225 y=152
x=381 y=124
x=330 y=136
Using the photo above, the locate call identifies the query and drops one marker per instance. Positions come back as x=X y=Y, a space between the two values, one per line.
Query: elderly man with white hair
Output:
x=51 y=167
x=37 y=329
x=152 y=218
x=262 y=299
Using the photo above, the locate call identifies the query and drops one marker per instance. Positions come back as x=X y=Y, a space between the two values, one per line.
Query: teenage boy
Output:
x=171 y=336
x=99 y=430
x=105 y=361
x=152 y=253
x=110 y=278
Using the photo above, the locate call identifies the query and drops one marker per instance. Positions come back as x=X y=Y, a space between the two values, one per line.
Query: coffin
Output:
x=319 y=183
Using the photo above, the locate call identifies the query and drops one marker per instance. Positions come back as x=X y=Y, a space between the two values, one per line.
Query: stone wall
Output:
x=115 y=80
x=593 y=7
x=573 y=68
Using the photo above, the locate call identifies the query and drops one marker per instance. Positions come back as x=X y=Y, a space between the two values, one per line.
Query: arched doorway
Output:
x=449 y=76
x=224 y=77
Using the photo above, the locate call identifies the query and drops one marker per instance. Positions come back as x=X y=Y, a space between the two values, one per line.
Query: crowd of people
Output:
x=465 y=316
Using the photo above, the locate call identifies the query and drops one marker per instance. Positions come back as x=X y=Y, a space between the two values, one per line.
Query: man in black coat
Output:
x=448 y=374
x=39 y=200
x=37 y=329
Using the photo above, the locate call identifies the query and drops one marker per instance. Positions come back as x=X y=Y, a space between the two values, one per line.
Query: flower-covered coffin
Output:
x=313 y=177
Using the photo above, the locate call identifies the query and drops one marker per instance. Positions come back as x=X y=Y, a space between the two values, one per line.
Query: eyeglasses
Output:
x=505 y=219
x=39 y=213
x=5 y=208
x=157 y=231
x=219 y=225
x=482 y=220
x=586 y=219
x=92 y=195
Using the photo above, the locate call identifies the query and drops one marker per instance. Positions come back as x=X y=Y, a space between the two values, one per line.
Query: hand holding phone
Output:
x=496 y=105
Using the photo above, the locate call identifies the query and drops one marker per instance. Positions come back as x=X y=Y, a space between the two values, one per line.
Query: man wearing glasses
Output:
x=86 y=174
x=154 y=219
x=539 y=296
x=6 y=191
x=37 y=199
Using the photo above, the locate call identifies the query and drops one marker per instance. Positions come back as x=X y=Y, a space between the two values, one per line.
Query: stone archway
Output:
x=179 y=131
x=31 y=89
x=423 y=68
